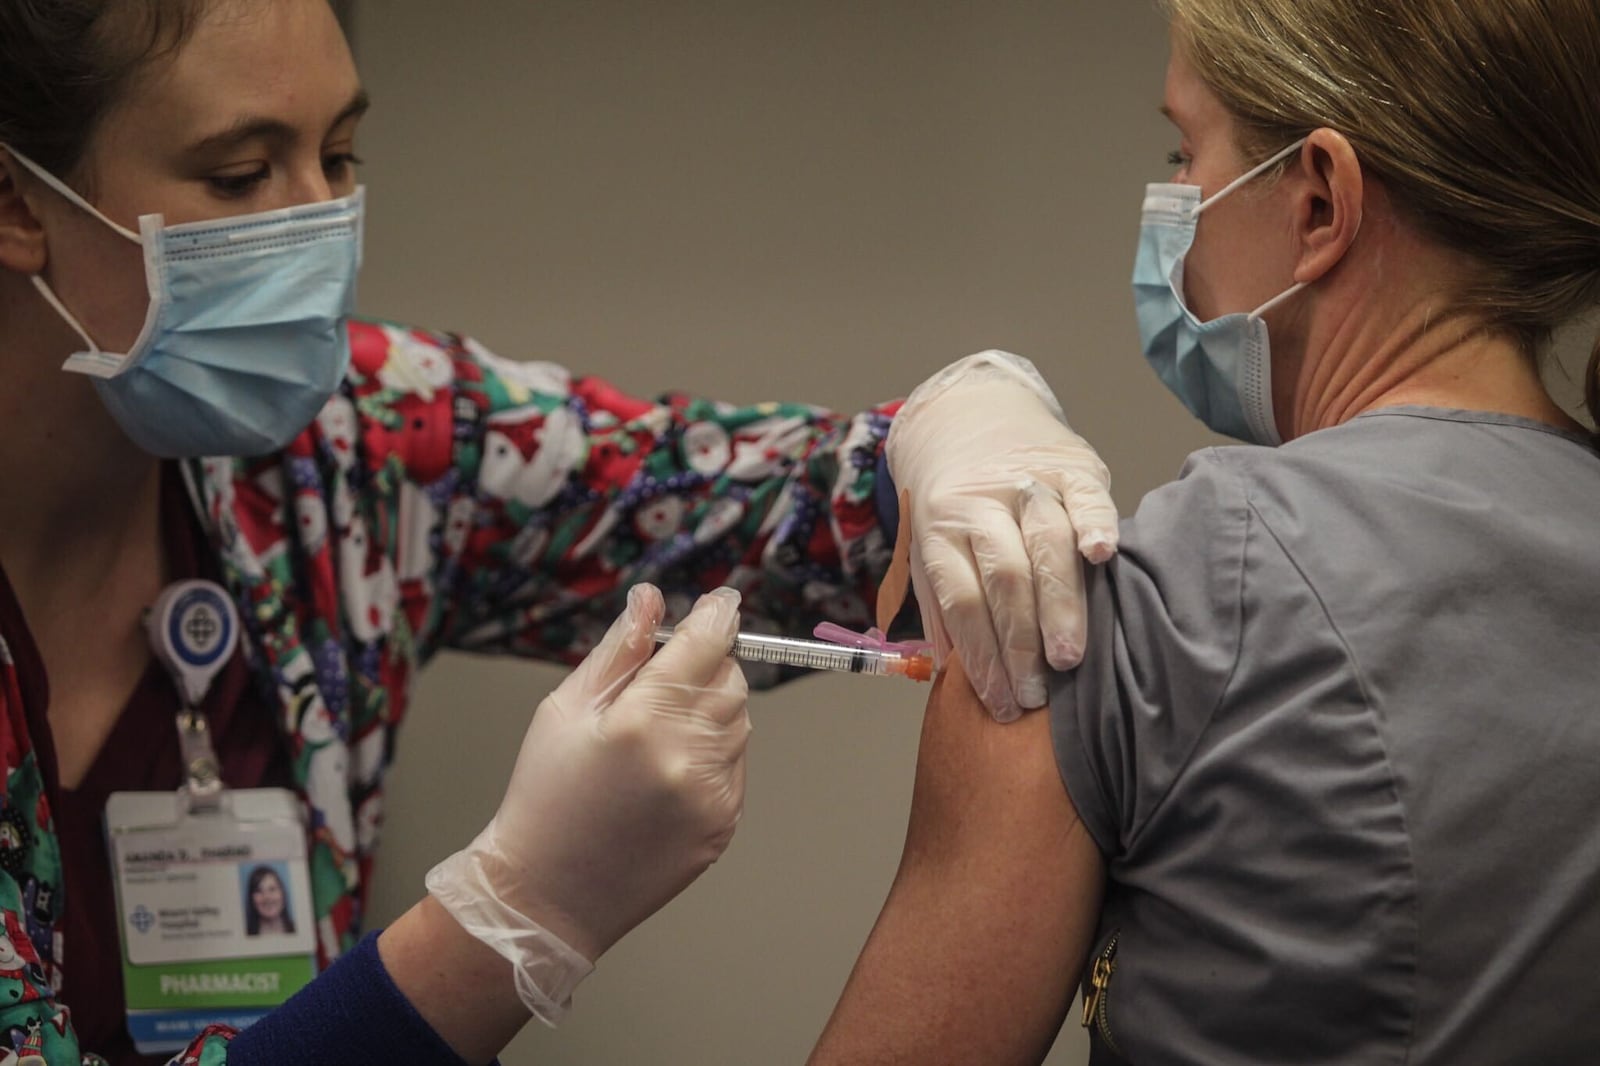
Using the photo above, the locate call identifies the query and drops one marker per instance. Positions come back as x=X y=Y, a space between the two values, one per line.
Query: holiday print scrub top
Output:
x=450 y=498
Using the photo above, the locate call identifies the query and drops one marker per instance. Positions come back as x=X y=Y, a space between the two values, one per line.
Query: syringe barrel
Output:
x=820 y=655
x=809 y=654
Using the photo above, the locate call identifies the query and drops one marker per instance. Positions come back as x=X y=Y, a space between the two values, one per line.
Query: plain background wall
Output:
x=817 y=200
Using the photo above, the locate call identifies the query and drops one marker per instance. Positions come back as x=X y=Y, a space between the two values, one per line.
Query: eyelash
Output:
x=341 y=161
x=237 y=186
x=233 y=186
x=1177 y=159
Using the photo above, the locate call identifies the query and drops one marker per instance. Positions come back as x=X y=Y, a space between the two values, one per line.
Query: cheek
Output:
x=99 y=276
x=1237 y=262
x=1201 y=272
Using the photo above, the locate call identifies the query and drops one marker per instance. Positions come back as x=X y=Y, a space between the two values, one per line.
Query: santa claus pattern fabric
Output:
x=450 y=498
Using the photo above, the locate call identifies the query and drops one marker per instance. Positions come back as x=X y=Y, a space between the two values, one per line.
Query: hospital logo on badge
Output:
x=142 y=919
x=200 y=625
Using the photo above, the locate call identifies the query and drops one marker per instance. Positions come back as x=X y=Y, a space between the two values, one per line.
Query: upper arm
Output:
x=979 y=947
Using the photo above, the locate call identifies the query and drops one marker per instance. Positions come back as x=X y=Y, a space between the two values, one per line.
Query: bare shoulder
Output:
x=978 y=950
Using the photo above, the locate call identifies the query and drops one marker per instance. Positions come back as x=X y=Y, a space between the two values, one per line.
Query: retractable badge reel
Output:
x=193 y=630
x=213 y=886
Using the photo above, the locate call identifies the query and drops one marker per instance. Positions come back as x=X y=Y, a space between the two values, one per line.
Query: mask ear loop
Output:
x=1278 y=299
x=97 y=360
x=1233 y=186
x=67 y=316
x=67 y=192
x=1248 y=176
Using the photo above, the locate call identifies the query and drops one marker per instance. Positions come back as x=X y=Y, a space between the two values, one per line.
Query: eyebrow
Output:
x=251 y=127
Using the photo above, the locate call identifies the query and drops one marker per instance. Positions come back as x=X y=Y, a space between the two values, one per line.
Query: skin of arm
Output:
x=461 y=987
x=979 y=947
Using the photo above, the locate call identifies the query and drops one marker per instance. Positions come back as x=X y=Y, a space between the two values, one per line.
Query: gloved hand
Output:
x=1004 y=500
x=628 y=785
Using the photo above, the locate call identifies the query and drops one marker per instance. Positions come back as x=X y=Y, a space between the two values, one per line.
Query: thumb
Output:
x=627 y=645
x=701 y=644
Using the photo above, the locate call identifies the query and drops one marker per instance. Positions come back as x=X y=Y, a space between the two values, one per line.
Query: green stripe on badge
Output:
x=219 y=983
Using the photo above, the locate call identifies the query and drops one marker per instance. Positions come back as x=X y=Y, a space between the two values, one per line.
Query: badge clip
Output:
x=194 y=629
x=201 y=770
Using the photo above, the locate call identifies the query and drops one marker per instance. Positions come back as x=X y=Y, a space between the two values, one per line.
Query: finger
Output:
x=1087 y=497
x=700 y=645
x=734 y=728
x=1057 y=576
x=954 y=576
x=723 y=700
x=892 y=590
x=729 y=717
x=732 y=799
x=1008 y=589
x=626 y=647
x=933 y=627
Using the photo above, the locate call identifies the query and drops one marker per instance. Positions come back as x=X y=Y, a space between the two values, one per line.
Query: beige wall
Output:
x=816 y=200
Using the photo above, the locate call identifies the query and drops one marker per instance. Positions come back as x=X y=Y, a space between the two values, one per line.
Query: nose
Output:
x=309 y=184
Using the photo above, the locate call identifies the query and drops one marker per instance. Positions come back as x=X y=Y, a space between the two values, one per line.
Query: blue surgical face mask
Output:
x=1222 y=369
x=245 y=338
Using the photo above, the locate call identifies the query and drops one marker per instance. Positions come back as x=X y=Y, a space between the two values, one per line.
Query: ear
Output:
x=22 y=243
x=1332 y=203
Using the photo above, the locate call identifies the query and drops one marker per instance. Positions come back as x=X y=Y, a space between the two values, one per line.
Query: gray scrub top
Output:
x=1337 y=733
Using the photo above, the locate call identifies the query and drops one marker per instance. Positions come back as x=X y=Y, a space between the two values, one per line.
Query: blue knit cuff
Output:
x=886 y=500
x=352 y=1014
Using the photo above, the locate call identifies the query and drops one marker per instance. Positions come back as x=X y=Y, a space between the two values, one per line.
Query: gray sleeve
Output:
x=1165 y=622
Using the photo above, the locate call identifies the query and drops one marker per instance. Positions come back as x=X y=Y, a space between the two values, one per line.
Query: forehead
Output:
x=283 y=59
x=1187 y=98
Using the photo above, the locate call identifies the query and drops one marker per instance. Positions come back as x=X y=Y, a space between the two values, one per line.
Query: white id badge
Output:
x=214 y=909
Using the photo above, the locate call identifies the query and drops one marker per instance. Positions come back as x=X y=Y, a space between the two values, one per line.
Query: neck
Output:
x=1368 y=360
x=78 y=501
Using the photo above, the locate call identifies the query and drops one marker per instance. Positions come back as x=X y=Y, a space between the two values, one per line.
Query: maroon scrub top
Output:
x=141 y=754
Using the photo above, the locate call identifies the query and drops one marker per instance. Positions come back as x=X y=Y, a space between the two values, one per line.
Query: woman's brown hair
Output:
x=1482 y=117
x=63 y=64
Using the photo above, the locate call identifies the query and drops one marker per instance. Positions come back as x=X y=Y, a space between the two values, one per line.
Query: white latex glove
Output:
x=1004 y=500
x=628 y=786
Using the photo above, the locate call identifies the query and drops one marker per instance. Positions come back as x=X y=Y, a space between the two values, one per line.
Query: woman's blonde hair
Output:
x=1481 y=117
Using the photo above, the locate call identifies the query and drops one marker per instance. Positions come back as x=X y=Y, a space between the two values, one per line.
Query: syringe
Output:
x=820 y=655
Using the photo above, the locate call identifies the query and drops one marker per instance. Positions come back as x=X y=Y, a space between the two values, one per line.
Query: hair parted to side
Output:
x=1481 y=117
x=63 y=64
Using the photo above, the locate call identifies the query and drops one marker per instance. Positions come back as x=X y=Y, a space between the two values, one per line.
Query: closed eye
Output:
x=238 y=186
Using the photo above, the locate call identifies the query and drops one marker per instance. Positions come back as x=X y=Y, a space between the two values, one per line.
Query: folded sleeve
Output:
x=1165 y=629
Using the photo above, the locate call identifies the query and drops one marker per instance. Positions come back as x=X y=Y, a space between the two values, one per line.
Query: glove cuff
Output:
x=975 y=371
x=994 y=364
x=545 y=967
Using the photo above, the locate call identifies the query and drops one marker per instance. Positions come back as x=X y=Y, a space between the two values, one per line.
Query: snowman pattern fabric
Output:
x=450 y=498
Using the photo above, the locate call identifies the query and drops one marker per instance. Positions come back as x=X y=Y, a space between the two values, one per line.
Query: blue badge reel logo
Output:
x=142 y=919
x=200 y=628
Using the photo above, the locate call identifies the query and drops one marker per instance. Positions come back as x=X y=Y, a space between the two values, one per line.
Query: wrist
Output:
x=992 y=367
x=461 y=987
x=546 y=954
x=980 y=416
